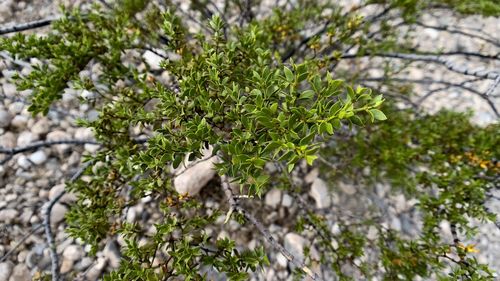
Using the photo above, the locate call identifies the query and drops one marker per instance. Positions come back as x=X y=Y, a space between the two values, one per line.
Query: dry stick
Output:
x=28 y=25
x=435 y=59
x=48 y=230
x=267 y=235
x=31 y=232
x=493 y=86
x=461 y=32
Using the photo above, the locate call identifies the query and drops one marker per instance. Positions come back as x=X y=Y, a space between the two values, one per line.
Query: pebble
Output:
x=152 y=59
x=273 y=197
x=5 y=118
x=8 y=215
x=8 y=140
x=57 y=214
x=9 y=89
x=67 y=198
x=58 y=136
x=112 y=253
x=195 y=177
x=348 y=189
x=26 y=138
x=287 y=200
x=319 y=191
x=41 y=127
x=20 y=273
x=19 y=122
x=39 y=157
x=295 y=244
x=5 y=270
x=73 y=252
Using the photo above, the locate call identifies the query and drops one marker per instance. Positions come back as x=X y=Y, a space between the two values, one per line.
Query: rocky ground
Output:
x=29 y=180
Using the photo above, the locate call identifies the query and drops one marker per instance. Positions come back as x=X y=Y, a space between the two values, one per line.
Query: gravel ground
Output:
x=30 y=179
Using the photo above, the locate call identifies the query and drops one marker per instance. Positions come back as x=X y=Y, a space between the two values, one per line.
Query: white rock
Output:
x=319 y=191
x=66 y=266
x=348 y=189
x=5 y=118
x=152 y=59
x=112 y=253
x=26 y=138
x=9 y=90
x=195 y=177
x=5 y=270
x=295 y=244
x=87 y=94
x=23 y=162
x=7 y=215
x=73 y=252
x=58 y=136
x=273 y=197
x=287 y=200
x=20 y=273
x=16 y=108
x=95 y=271
x=67 y=198
x=282 y=261
x=312 y=175
x=41 y=127
x=57 y=214
x=84 y=134
x=39 y=157
x=19 y=121
x=8 y=140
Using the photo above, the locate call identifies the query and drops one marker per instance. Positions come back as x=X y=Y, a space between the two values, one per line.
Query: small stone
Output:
x=66 y=198
x=195 y=177
x=16 y=108
x=84 y=134
x=8 y=215
x=66 y=266
x=38 y=157
x=58 y=136
x=295 y=244
x=20 y=273
x=4 y=118
x=287 y=201
x=26 y=138
x=319 y=191
x=73 y=252
x=273 y=197
x=112 y=253
x=5 y=270
x=95 y=271
x=282 y=261
x=311 y=176
x=41 y=127
x=57 y=214
x=9 y=89
x=152 y=59
x=348 y=189
x=19 y=121
x=8 y=140
x=87 y=95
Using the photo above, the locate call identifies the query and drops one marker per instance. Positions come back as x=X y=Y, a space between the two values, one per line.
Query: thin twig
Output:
x=493 y=75
x=28 y=25
x=21 y=241
x=493 y=86
x=267 y=235
x=48 y=230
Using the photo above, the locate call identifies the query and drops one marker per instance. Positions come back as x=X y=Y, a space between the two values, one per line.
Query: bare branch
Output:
x=432 y=58
x=267 y=235
x=21 y=241
x=48 y=230
x=28 y=25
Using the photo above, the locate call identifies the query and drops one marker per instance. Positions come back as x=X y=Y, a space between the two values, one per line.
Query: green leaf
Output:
x=310 y=159
x=288 y=74
x=308 y=94
x=377 y=114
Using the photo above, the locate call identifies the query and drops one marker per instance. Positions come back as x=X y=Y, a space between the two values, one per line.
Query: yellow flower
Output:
x=469 y=248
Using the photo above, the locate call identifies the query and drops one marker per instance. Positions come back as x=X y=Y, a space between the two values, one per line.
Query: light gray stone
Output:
x=8 y=215
x=67 y=198
x=95 y=271
x=112 y=253
x=24 y=162
x=57 y=214
x=38 y=157
x=319 y=192
x=41 y=127
x=73 y=252
x=5 y=270
x=9 y=89
x=20 y=273
x=26 y=138
x=152 y=59
x=8 y=140
x=295 y=243
x=58 y=136
x=5 y=118
x=195 y=177
x=19 y=121
x=273 y=197
x=348 y=189
x=287 y=200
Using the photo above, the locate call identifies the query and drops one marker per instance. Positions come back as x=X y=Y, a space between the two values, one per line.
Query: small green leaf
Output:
x=378 y=115
x=288 y=74
x=308 y=94
x=310 y=159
